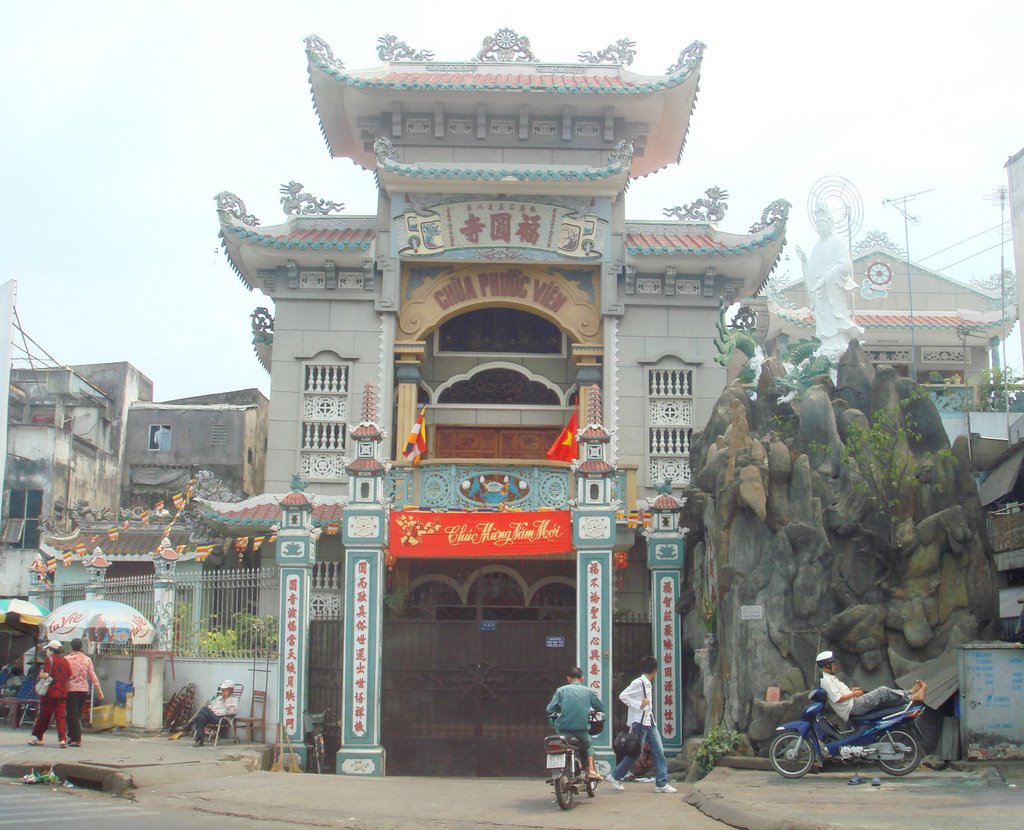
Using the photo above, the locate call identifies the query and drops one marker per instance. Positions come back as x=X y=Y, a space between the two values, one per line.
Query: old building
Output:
x=498 y=292
x=66 y=431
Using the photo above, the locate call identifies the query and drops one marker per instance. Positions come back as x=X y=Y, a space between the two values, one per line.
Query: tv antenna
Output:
x=900 y=203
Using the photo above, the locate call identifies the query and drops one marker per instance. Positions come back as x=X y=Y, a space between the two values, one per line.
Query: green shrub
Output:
x=718 y=741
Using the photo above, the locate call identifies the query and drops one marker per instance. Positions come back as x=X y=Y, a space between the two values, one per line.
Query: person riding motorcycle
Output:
x=847 y=702
x=570 y=709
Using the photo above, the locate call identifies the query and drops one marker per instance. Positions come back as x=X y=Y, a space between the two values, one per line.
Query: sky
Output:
x=122 y=120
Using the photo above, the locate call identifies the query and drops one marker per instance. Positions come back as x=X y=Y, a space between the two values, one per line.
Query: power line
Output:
x=972 y=256
x=961 y=242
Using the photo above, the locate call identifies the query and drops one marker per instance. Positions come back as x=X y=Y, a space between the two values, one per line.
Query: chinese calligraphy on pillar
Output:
x=291 y=663
x=595 y=627
x=666 y=589
x=361 y=640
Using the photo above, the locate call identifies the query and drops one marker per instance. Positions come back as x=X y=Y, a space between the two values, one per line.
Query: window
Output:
x=248 y=456
x=669 y=425
x=160 y=437
x=500 y=331
x=24 y=511
x=324 y=421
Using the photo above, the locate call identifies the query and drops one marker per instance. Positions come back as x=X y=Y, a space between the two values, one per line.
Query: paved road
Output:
x=47 y=805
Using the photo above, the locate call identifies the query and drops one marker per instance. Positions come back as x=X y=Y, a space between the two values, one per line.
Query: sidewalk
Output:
x=226 y=781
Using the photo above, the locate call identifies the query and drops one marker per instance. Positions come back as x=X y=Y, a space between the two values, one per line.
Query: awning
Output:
x=1001 y=480
x=159 y=476
x=941 y=674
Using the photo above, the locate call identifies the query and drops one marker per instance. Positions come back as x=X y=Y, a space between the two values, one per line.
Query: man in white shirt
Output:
x=847 y=702
x=223 y=705
x=638 y=696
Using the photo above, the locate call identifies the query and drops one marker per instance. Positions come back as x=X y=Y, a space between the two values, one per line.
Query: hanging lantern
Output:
x=621 y=559
x=389 y=560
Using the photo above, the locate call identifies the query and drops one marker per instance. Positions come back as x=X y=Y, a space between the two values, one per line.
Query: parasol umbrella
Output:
x=19 y=624
x=98 y=621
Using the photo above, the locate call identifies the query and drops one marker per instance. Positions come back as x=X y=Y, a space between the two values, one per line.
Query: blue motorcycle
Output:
x=881 y=736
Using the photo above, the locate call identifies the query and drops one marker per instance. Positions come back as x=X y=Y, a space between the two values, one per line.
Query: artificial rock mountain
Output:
x=793 y=514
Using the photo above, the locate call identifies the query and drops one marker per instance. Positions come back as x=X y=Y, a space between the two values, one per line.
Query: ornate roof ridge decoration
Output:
x=296 y=203
x=621 y=154
x=775 y=214
x=384 y=150
x=688 y=59
x=392 y=49
x=232 y=210
x=316 y=45
x=621 y=52
x=506 y=46
x=368 y=428
x=877 y=240
x=705 y=210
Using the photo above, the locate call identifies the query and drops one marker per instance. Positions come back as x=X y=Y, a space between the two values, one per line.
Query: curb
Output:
x=727 y=812
x=116 y=782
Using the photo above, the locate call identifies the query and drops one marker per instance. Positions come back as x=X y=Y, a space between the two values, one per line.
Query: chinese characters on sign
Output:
x=595 y=626
x=291 y=663
x=559 y=230
x=666 y=658
x=361 y=625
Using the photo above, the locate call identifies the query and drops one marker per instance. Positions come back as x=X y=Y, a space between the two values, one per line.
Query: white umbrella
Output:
x=98 y=621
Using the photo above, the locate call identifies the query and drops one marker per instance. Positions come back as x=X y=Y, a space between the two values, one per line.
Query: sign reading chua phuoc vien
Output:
x=426 y=534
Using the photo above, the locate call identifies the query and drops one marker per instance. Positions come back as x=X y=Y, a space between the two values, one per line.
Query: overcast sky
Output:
x=122 y=121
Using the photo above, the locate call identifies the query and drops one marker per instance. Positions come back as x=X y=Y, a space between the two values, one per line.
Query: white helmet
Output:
x=825 y=658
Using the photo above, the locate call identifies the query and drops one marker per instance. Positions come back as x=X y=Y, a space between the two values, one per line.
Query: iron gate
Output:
x=325 y=680
x=467 y=697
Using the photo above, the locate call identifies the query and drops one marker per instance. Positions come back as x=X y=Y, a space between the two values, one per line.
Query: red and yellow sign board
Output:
x=422 y=533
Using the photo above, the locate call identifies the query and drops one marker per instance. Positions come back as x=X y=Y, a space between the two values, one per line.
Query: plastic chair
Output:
x=254 y=721
x=26 y=700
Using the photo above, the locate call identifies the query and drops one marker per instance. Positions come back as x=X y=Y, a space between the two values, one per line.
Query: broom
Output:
x=293 y=759
x=278 y=764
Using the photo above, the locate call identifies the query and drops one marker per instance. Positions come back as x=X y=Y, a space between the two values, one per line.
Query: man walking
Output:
x=571 y=704
x=638 y=696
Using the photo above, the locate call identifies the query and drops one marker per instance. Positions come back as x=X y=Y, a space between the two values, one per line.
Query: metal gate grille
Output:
x=325 y=680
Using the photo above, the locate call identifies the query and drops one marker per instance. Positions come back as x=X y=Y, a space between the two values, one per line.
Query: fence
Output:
x=223 y=613
x=1006 y=531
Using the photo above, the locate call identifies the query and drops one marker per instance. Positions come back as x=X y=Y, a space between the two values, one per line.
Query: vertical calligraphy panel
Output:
x=594 y=628
x=665 y=621
x=293 y=637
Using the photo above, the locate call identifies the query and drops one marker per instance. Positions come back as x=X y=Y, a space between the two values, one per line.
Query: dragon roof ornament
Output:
x=710 y=209
x=689 y=58
x=621 y=52
x=621 y=154
x=384 y=150
x=877 y=240
x=775 y=214
x=392 y=49
x=296 y=203
x=232 y=210
x=319 y=47
x=506 y=46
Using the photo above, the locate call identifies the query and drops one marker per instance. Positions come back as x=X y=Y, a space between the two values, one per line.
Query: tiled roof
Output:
x=498 y=173
x=882 y=320
x=295 y=498
x=341 y=239
x=130 y=541
x=266 y=511
x=695 y=243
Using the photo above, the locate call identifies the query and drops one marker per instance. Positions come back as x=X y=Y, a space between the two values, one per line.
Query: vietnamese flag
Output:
x=566 y=447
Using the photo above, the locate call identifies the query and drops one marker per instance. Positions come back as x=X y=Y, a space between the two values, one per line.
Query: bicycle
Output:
x=315 y=744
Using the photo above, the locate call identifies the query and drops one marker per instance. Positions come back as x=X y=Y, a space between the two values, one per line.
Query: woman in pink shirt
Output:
x=78 y=690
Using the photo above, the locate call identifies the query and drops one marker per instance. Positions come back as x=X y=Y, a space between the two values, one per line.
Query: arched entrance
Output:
x=471 y=656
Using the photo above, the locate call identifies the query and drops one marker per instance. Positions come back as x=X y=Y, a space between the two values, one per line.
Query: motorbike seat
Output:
x=879 y=713
x=574 y=742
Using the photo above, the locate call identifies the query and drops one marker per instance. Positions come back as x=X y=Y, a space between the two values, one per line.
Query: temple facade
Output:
x=499 y=304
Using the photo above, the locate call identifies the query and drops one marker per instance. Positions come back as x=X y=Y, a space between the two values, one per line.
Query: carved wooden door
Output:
x=511 y=443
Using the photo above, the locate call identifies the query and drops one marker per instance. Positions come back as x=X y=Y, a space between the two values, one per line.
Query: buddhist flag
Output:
x=416 y=444
x=66 y=557
x=179 y=502
x=566 y=447
x=144 y=517
x=81 y=549
x=257 y=542
x=112 y=534
x=271 y=538
x=51 y=565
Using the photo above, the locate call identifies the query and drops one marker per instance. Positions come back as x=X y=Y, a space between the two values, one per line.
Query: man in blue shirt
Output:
x=572 y=704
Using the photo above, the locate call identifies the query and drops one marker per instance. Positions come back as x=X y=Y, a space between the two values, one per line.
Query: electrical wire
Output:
x=972 y=256
x=962 y=241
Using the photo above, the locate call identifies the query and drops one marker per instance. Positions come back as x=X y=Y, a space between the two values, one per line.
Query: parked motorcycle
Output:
x=567 y=770
x=883 y=736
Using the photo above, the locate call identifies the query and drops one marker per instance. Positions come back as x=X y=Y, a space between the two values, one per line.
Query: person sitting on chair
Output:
x=847 y=702
x=223 y=705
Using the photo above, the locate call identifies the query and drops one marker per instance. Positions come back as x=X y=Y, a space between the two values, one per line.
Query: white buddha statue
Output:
x=828 y=275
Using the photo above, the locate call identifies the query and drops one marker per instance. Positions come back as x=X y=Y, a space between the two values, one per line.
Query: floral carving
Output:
x=296 y=203
x=262 y=326
x=232 y=210
x=393 y=49
x=877 y=240
x=322 y=52
x=384 y=150
x=621 y=51
x=688 y=59
x=505 y=46
x=710 y=209
x=775 y=214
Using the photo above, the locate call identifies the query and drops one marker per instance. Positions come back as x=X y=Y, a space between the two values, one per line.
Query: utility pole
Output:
x=900 y=203
x=999 y=196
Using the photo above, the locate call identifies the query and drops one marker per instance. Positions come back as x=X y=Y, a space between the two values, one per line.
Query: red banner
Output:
x=422 y=533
